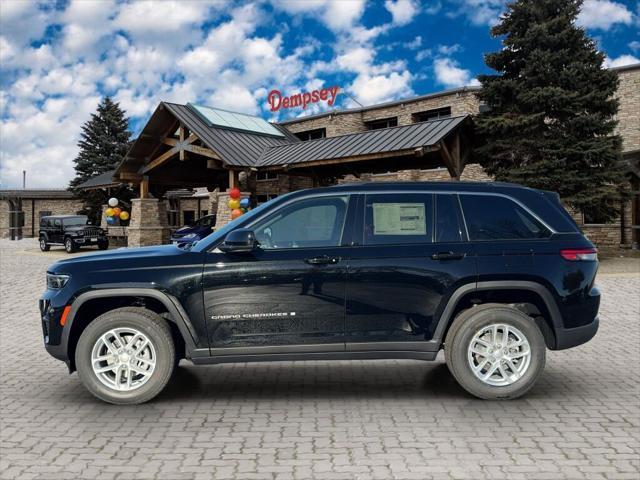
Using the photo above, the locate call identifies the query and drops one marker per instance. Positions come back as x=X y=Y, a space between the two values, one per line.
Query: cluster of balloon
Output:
x=237 y=205
x=115 y=213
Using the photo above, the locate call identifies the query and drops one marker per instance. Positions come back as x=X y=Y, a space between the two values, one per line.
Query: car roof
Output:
x=412 y=186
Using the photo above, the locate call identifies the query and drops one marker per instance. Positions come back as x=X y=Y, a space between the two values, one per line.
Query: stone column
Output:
x=148 y=225
x=103 y=217
x=223 y=212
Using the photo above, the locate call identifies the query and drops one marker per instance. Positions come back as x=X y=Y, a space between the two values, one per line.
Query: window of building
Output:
x=204 y=213
x=316 y=222
x=382 y=123
x=398 y=219
x=262 y=176
x=448 y=219
x=264 y=198
x=189 y=217
x=433 y=114
x=312 y=134
x=491 y=217
x=593 y=217
x=173 y=212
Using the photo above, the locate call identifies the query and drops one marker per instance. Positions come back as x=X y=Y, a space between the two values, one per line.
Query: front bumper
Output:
x=52 y=335
x=572 y=337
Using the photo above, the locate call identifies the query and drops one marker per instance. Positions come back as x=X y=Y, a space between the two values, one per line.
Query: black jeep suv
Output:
x=494 y=274
x=71 y=231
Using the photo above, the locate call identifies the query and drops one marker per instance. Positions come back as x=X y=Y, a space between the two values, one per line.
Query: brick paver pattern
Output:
x=325 y=420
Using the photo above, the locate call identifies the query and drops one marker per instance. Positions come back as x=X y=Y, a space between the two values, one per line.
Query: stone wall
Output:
x=342 y=123
x=471 y=173
x=629 y=111
x=32 y=209
x=148 y=225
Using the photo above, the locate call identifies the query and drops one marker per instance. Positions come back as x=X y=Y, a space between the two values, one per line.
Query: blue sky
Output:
x=57 y=59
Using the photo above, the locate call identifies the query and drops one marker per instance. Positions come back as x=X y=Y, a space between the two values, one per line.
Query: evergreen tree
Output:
x=550 y=120
x=104 y=142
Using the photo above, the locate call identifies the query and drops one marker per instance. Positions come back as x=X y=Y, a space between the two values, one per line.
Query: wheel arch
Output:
x=530 y=297
x=89 y=305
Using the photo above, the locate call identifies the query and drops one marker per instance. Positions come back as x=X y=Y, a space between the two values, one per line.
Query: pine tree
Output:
x=103 y=144
x=551 y=117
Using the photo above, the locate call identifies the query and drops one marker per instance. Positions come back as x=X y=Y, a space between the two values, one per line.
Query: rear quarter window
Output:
x=491 y=217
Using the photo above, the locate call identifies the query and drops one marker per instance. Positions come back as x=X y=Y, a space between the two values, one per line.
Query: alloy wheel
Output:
x=499 y=354
x=123 y=359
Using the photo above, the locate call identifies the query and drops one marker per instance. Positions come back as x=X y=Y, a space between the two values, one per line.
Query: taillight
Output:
x=579 y=254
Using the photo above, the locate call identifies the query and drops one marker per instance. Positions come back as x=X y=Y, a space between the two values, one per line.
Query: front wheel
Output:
x=495 y=351
x=44 y=246
x=70 y=245
x=103 y=244
x=126 y=356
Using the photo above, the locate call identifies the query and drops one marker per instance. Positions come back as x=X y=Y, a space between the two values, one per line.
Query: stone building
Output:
x=21 y=210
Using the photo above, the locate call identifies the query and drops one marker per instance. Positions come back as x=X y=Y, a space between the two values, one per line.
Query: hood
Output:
x=120 y=254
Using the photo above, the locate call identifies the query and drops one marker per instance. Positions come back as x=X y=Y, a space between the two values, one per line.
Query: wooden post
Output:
x=182 y=134
x=144 y=187
x=455 y=154
x=233 y=179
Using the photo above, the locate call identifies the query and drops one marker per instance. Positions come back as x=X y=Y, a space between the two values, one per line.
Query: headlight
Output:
x=190 y=235
x=56 y=282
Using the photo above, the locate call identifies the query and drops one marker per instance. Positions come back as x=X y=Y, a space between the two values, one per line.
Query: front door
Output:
x=57 y=233
x=288 y=294
x=412 y=256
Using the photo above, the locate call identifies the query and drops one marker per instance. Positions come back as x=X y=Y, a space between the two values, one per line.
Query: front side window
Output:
x=393 y=219
x=315 y=222
x=491 y=217
x=75 y=221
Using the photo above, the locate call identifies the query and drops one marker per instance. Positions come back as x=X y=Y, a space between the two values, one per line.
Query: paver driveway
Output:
x=343 y=420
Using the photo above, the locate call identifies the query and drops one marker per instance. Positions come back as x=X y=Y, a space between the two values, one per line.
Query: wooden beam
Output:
x=144 y=187
x=156 y=162
x=204 y=151
x=192 y=138
x=170 y=141
x=181 y=134
x=168 y=132
x=449 y=161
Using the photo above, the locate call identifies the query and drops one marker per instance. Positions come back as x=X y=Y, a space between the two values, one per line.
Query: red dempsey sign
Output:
x=277 y=101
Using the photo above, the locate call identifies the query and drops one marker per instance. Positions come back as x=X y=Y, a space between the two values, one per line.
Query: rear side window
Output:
x=448 y=222
x=491 y=217
x=394 y=219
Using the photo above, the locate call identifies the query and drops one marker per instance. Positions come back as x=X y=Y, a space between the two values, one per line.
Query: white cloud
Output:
x=634 y=45
x=449 y=73
x=402 y=11
x=414 y=44
x=621 y=61
x=369 y=89
x=336 y=15
x=603 y=14
x=479 y=12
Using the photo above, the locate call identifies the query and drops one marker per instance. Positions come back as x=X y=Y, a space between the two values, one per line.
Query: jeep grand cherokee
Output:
x=494 y=274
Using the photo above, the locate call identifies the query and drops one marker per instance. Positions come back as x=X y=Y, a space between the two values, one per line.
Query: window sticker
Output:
x=399 y=219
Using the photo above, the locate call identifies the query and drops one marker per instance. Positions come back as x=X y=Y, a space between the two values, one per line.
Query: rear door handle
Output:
x=322 y=260
x=448 y=256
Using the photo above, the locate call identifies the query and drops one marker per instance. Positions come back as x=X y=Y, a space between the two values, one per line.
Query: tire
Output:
x=103 y=245
x=150 y=325
x=44 y=246
x=476 y=326
x=69 y=245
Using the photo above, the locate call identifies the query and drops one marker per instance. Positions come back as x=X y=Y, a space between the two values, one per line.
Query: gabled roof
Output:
x=103 y=180
x=236 y=148
x=405 y=137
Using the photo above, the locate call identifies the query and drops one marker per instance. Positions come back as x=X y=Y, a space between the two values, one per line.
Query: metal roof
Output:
x=100 y=181
x=46 y=193
x=236 y=148
x=392 y=139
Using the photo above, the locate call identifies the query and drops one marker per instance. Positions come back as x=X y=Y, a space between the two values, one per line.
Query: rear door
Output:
x=410 y=256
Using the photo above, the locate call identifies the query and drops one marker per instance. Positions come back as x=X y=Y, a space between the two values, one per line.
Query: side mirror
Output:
x=242 y=240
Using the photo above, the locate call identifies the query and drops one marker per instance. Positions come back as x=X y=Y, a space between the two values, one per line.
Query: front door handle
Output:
x=448 y=256
x=322 y=260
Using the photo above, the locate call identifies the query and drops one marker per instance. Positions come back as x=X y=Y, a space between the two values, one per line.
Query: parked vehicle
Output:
x=71 y=231
x=495 y=274
x=195 y=232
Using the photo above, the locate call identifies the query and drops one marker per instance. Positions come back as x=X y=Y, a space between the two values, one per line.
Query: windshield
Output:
x=80 y=220
x=212 y=239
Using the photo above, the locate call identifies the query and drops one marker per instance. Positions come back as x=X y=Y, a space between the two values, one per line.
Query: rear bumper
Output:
x=572 y=337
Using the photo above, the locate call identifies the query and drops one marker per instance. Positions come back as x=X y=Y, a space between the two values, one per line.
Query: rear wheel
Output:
x=70 y=245
x=44 y=246
x=126 y=356
x=495 y=351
